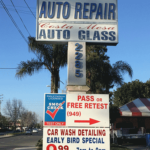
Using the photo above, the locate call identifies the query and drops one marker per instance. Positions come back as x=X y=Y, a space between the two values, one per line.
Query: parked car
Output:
x=28 y=132
x=17 y=131
x=35 y=130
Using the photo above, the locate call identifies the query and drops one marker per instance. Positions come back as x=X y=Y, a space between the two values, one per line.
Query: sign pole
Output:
x=77 y=68
x=78 y=23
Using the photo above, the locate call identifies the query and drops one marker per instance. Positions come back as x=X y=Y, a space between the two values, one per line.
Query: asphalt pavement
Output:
x=20 y=142
x=136 y=146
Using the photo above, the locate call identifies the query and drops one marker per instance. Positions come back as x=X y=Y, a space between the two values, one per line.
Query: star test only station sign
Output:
x=76 y=110
x=55 y=109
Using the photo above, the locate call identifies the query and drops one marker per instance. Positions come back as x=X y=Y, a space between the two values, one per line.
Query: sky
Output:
x=133 y=48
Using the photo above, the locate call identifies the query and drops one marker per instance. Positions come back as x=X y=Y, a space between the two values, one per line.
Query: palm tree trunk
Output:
x=54 y=78
x=52 y=81
x=107 y=89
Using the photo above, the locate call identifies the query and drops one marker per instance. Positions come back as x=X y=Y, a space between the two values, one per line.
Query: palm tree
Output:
x=50 y=56
x=101 y=75
x=113 y=74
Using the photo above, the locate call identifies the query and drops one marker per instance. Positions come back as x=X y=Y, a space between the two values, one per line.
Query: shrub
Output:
x=39 y=144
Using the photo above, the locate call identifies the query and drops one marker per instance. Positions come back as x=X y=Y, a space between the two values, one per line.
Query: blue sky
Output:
x=133 y=48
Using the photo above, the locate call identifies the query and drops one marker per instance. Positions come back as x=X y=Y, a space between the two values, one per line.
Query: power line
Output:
x=29 y=8
x=11 y=8
x=8 y=68
x=21 y=11
x=20 y=17
x=17 y=68
x=2 y=3
x=21 y=6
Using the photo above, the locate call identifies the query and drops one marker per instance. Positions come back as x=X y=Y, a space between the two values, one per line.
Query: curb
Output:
x=6 y=136
x=25 y=148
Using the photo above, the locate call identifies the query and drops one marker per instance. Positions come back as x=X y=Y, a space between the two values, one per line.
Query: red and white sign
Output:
x=76 y=139
x=87 y=110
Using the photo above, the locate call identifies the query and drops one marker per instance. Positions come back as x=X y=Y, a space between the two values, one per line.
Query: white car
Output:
x=35 y=130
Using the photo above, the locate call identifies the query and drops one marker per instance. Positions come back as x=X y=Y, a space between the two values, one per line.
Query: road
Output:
x=22 y=142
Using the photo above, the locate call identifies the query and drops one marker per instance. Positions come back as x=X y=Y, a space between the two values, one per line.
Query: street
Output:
x=20 y=142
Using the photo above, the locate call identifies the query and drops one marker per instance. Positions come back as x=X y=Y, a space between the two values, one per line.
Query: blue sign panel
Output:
x=55 y=110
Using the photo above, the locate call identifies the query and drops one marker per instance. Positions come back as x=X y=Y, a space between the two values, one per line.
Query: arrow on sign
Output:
x=90 y=121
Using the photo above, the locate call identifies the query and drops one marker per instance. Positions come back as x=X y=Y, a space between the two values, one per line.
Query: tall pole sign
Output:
x=84 y=116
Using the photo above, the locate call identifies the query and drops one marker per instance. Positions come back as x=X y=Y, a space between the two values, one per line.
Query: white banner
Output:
x=87 y=110
x=76 y=139
x=73 y=21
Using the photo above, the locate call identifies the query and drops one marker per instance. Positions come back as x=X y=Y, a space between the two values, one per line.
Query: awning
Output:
x=138 y=107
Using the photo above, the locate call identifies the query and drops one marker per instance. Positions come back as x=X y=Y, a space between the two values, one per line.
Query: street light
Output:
x=48 y=86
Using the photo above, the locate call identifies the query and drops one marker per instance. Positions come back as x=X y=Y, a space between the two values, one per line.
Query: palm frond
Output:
x=43 y=52
x=123 y=67
x=28 y=68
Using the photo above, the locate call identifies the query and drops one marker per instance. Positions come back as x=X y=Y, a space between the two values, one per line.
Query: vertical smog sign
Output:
x=55 y=110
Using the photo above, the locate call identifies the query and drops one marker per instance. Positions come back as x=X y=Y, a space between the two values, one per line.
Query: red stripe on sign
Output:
x=47 y=123
x=133 y=107
x=146 y=102
x=136 y=114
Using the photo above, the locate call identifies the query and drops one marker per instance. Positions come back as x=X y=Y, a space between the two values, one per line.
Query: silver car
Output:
x=28 y=132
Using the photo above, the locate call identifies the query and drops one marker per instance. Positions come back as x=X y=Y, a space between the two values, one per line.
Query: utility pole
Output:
x=0 y=108
x=1 y=99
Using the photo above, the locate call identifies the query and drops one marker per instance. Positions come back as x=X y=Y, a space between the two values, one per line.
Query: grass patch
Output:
x=13 y=134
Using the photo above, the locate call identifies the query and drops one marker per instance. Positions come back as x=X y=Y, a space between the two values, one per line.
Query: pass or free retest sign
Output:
x=76 y=110
x=76 y=139
x=88 y=21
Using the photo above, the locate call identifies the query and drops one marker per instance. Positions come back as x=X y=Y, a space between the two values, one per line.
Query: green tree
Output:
x=4 y=121
x=95 y=60
x=101 y=75
x=113 y=113
x=131 y=91
x=50 y=56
